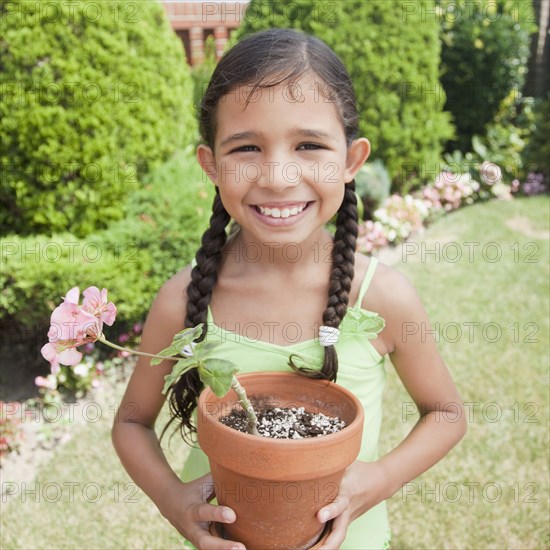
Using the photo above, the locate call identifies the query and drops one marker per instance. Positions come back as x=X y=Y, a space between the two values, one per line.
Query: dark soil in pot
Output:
x=284 y=422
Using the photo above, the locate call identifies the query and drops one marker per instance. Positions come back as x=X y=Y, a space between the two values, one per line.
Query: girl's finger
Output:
x=208 y=542
x=209 y=512
x=337 y=534
x=334 y=509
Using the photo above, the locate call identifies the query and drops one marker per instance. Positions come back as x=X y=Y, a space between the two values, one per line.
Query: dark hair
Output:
x=262 y=60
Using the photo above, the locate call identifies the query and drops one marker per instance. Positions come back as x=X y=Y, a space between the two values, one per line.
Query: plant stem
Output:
x=247 y=406
x=103 y=340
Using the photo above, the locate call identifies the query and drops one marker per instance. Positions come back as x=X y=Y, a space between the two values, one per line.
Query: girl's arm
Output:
x=414 y=354
x=134 y=438
x=425 y=376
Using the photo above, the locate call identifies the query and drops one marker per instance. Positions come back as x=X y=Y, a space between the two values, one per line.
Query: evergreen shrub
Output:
x=94 y=94
x=132 y=257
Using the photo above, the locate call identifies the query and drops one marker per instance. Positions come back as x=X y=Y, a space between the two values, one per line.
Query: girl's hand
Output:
x=187 y=509
x=363 y=486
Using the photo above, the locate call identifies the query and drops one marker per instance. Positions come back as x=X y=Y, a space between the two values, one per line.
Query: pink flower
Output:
x=70 y=322
x=371 y=237
x=89 y=347
x=48 y=382
x=431 y=197
x=96 y=303
x=73 y=326
x=61 y=353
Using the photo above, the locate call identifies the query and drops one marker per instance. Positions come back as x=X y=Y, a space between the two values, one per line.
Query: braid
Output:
x=185 y=392
x=341 y=277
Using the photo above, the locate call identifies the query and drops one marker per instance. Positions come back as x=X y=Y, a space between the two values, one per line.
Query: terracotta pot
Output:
x=277 y=486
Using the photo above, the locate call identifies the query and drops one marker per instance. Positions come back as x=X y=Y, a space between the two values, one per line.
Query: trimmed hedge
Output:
x=95 y=94
x=132 y=258
x=392 y=54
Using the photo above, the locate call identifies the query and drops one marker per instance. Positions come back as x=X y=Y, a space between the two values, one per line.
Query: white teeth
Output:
x=281 y=213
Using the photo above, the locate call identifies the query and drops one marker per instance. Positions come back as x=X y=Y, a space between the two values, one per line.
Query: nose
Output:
x=278 y=174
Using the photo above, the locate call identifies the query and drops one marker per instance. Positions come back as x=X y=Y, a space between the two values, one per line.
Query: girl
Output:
x=279 y=124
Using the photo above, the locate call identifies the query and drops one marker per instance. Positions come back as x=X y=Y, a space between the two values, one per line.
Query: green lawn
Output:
x=491 y=317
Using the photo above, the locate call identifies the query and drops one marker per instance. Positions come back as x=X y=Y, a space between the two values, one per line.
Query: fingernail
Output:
x=325 y=514
x=229 y=516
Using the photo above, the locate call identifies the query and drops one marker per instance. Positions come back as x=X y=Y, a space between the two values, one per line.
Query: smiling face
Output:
x=281 y=161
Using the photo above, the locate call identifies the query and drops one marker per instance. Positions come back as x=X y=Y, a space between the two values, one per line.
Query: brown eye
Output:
x=244 y=149
x=310 y=146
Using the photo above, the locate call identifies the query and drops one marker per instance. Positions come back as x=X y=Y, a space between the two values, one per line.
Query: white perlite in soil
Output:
x=293 y=423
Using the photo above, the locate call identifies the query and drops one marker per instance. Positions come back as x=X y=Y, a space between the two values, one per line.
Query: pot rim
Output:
x=355 y=425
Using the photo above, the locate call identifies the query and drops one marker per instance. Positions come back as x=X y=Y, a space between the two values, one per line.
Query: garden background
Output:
x=100 y=187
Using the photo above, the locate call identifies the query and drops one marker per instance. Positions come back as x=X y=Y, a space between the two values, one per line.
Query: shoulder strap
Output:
x=366 y=281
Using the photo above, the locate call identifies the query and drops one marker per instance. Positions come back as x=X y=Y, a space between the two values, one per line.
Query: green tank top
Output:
x=361 y=370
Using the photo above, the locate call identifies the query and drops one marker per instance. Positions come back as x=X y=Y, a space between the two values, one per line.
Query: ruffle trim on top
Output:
x=358 y=320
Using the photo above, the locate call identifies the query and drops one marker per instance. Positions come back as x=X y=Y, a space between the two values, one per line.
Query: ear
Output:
x=206 y=159
x=358 y=153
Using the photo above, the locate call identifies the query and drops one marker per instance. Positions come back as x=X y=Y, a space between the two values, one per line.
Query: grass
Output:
x=492 y=490
x=503 y=379
x=84 y=499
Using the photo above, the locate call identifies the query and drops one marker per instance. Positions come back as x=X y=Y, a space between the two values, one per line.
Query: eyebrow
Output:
x=238 y=136
x=306 y=132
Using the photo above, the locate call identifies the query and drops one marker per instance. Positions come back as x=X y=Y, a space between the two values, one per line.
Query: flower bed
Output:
x=11 y=435
x=399 y=217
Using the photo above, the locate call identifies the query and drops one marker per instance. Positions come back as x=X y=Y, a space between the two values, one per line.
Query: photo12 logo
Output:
x=457 y=11
x=69 y=491
x=70 y=11
x=475 y=411
x=52 y=93
x=271 y=491
x=471 y=251
x=25 y=251
x=453 y=332
x=471 y=492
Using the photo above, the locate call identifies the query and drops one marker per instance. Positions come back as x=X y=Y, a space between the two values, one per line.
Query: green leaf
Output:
x=170 y=351
x=180 y=340
x=181 y=367
x=479 y=147
x=203 y=349
x=188 y=335
x=217 y=374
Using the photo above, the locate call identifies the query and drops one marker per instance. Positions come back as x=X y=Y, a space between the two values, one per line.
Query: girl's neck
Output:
x=263 y=257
